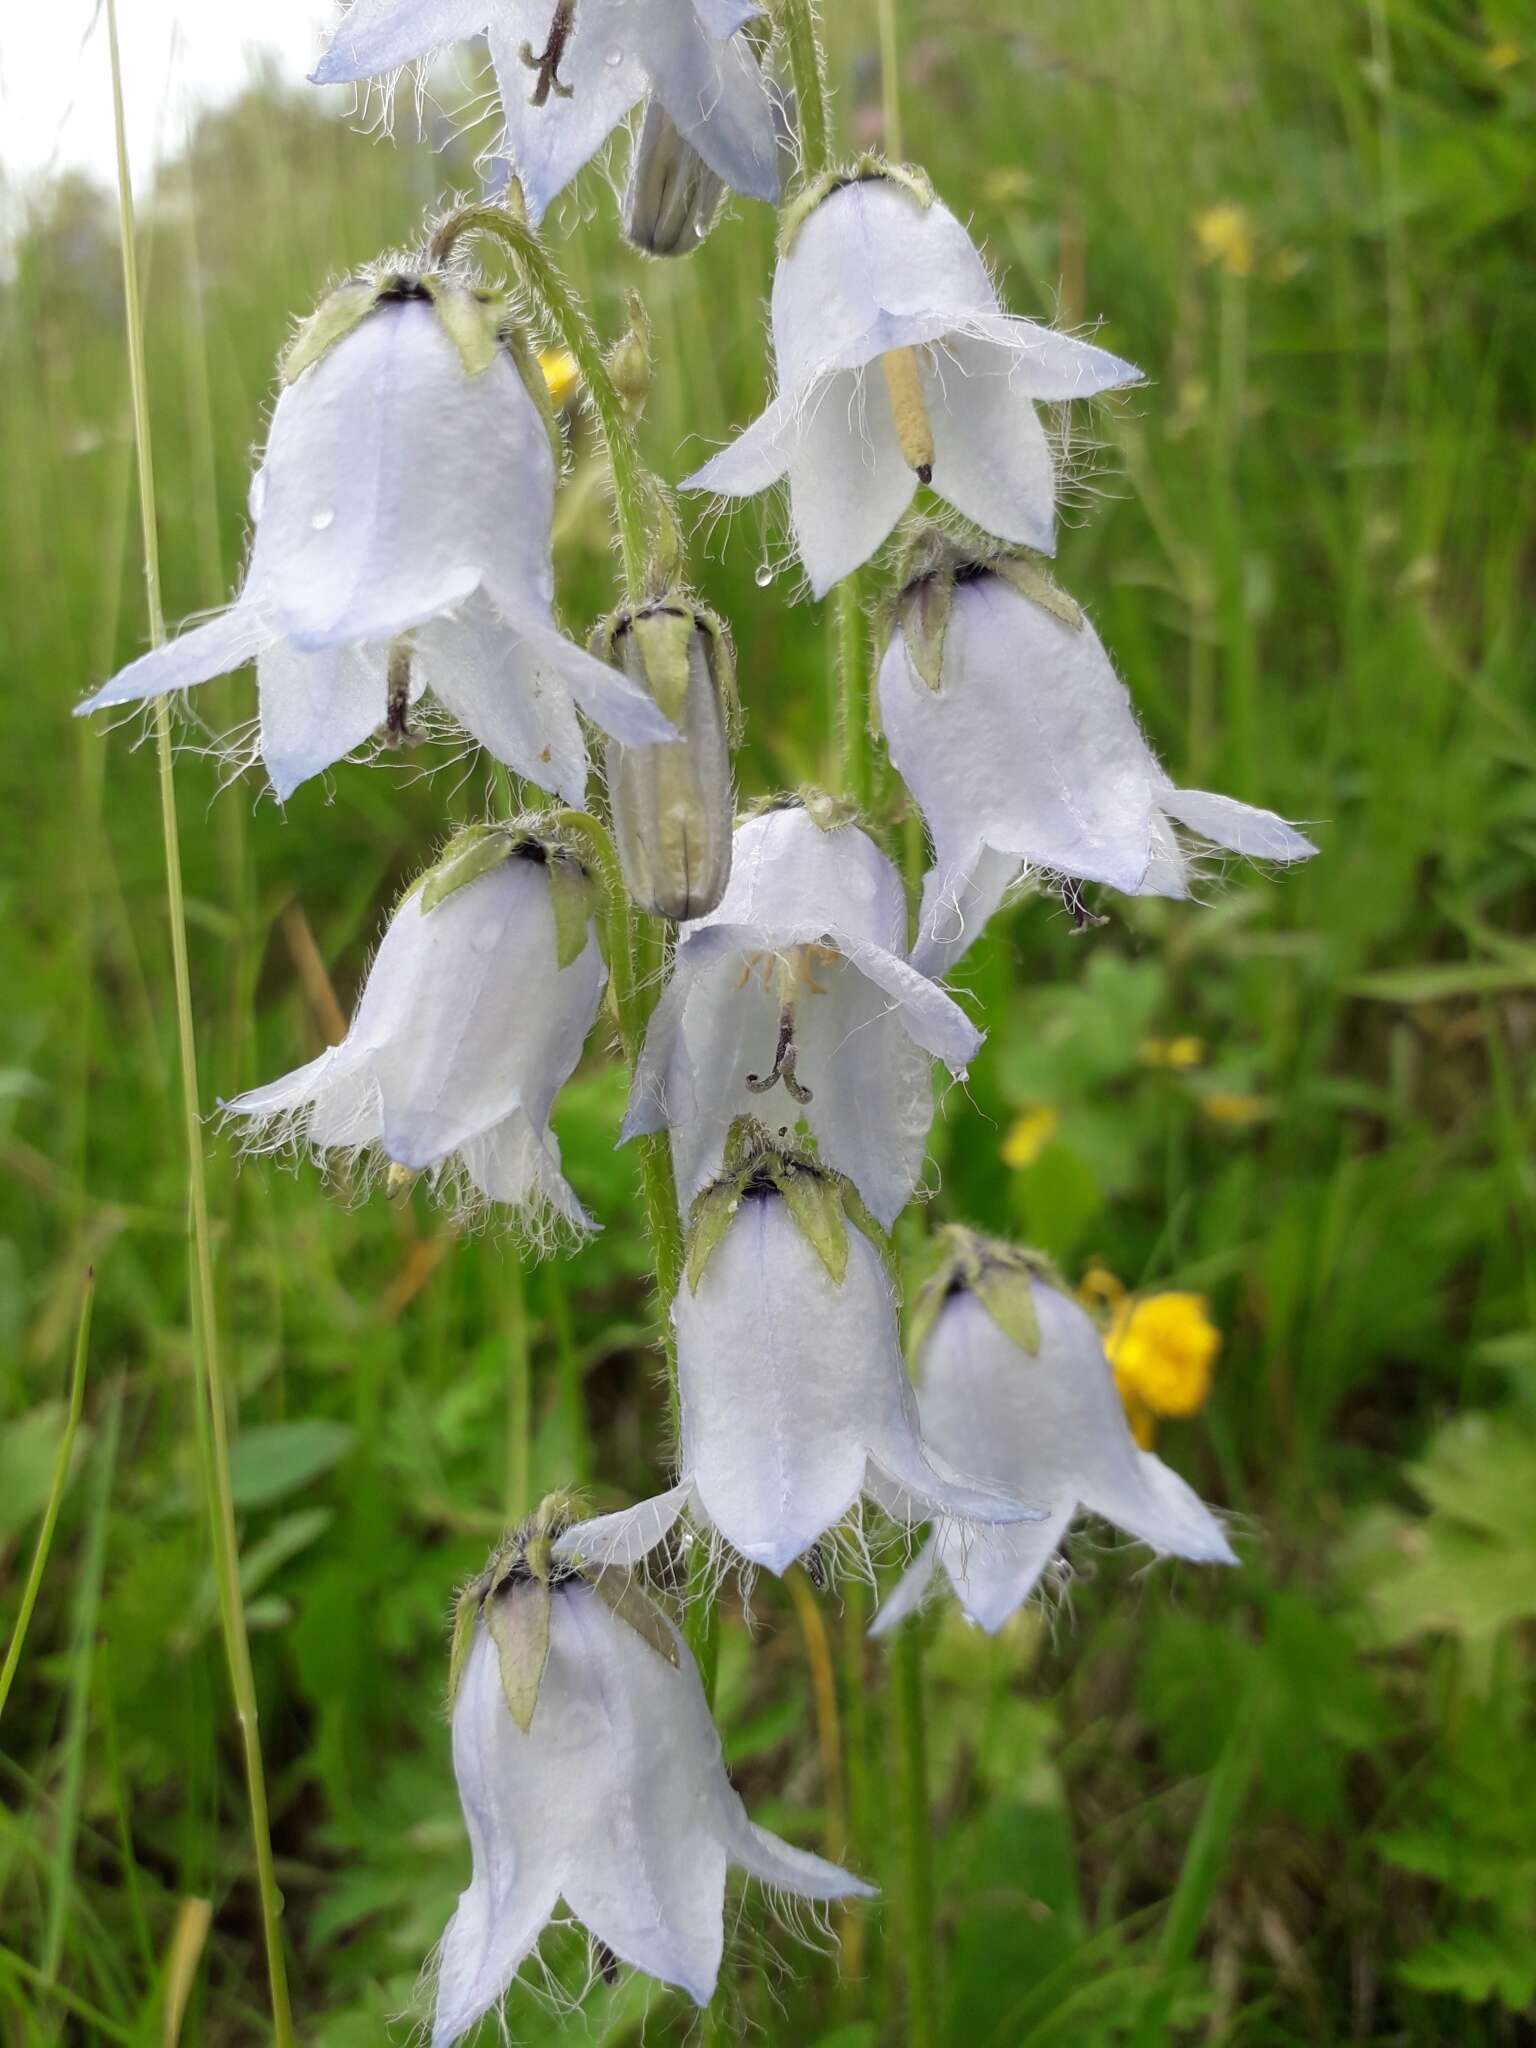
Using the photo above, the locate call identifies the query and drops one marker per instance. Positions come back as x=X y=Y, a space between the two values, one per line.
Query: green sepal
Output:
x=1007 y=1294
x=926 y=607
x=814 y=1200
x=708 y=1221
x=1027 y=575
x=466 y=1612
x=332 y=321
x=517 y=1614
x=570 y=898
x=1000 y=1275
x=866 y=169
x=664 y=636
x=627 y=1601
x=469 y=854
x=472 y=320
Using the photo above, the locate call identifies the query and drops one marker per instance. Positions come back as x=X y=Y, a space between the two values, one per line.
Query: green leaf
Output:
x=273 y=1459
x=283 y=1541
x=332 y=321
x=1438 y=984
x=624 y=1597
x=816 y=1204
x=517 y=1615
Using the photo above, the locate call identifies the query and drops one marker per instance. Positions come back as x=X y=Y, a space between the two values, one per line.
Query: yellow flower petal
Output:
x=1179 y=1054
x=560 y=374
x=1228 y=1106
x=1029 y=1134
x=1224 y=235
x=1504 y=54
x=1163 y=1349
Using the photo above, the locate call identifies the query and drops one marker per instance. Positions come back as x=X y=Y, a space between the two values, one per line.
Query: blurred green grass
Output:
x=1289 y=1804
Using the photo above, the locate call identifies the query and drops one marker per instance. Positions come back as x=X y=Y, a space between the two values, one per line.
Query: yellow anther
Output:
x=909 y=409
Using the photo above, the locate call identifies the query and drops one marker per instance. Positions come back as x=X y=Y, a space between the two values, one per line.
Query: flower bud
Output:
x=672 y=802
x=673 y=197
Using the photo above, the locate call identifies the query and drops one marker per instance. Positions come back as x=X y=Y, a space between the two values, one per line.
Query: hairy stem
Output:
x=851 y=635
x=916 y=1863
x=213 y=1393
x=635 y=491
x=797 y=24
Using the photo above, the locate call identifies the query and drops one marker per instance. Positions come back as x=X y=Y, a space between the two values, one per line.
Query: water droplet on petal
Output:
x=322 y=519
x=764 y=575
x=613 y=57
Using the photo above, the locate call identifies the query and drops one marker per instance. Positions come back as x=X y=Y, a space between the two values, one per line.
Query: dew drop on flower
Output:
x=613 y=57
x=322 y=519
x=764 y=575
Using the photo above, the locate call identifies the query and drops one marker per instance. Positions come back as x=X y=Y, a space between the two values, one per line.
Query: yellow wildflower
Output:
x=1029 y=1134
x=561 y=375
x=1163 y=1349
x=1177 y=1054
x=1503 y=55
x=1224 y=234
x=1230 y=1106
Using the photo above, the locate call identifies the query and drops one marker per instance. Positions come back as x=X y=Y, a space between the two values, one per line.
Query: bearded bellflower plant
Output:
x=1006 y=720
x=590 y=1772
x=796 y=991
x=568 y=74
x=473 y=1016
x=897 y=367
x=1014 y=1385
x=401 y=520
x=779 y=1026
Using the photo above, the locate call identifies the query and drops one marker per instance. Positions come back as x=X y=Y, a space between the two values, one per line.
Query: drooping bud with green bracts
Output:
x=672 y=802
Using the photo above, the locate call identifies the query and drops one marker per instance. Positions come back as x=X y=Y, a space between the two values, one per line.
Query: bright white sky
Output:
x=55 y=90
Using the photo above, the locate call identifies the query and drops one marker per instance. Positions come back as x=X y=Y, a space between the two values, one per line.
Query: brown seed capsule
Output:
x=672 y=803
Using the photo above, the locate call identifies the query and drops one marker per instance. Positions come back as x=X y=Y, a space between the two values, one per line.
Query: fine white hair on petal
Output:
x=212 y=649
x=816 y=919
x=792 y=1386
x=1048 y=1425
x=464 y=1033
x=1030 y=753
x=616 y=1800
x=377 y=37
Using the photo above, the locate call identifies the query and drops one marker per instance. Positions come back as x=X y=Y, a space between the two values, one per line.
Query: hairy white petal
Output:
x=716 y=94
x=1047 y=364
x=377 y=37
x=1258 y=834
x=758 y=457
x=396 y=484
x=788 y=875
x=991 y=459
x=518 y=708
x=626 y=1536
x=227 y=642
x=315 y=708
x=603 y=63
x=848 y=481
x=957 y=903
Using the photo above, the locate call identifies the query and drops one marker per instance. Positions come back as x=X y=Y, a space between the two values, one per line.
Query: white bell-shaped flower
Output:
x=605 y=1788
x=402 y=540
x=472 y=1018
x=1028 y=754
x=879 y=272
x=568 y=74
x=796 y=991
x=794 y=1398
x=1046 y=1423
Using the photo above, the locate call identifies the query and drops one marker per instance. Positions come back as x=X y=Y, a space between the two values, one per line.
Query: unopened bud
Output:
x=672 y=802
x=673 y=195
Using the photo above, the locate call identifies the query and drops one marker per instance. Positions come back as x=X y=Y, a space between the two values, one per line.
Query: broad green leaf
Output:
x=273 y=1459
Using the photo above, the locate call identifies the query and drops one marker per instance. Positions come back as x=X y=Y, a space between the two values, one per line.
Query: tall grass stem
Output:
x=213 y=1392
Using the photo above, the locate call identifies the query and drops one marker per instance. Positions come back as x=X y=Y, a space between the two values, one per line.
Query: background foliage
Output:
x=1292 y=1803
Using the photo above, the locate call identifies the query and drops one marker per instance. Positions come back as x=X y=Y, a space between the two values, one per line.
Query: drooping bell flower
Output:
x=1014 y=1384
x=568 y=74
x=1006 y=720
x=672 y=802
x=795 y=1403
x=795 y=996
x=402 y=540
x=590 y=1771
x=472 y=1018
x=896 y=367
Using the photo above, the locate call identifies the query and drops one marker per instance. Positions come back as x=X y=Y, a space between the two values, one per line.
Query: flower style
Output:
x=471 y=1020
x=568 y=75
x=794 y=1398
x=799 y=981
x=1013 y=1382
x=879 y=271
x=1007 y=722
x=402 y=538
x=589 y=1770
